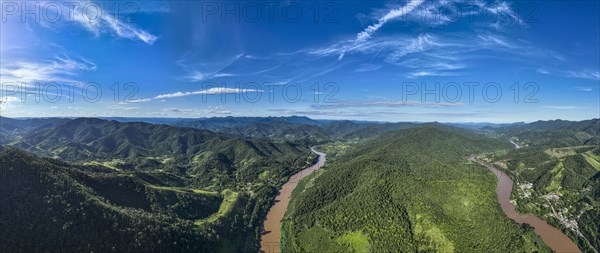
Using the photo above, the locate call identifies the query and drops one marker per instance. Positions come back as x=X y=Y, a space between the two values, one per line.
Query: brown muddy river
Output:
x=271 y=233
x=553 y=237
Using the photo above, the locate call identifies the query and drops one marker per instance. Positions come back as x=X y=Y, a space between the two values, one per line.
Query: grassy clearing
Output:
x=557 y=172
x=356 y=241
x=105 y=165
x=431 y=238
x=229 y=200
x=183 y=190
x=335 y=149
x=592 y=159
x=264 y=175
x=319 y=240
x=566 y=151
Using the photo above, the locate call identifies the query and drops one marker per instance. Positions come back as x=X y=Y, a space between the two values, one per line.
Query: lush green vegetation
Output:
x=145 y=187
x=48 y=205
x=12 y=129
x=553 y=134
x=211 y=160
x=295 y=128
x=100 y=185
x=559 y=185
x=405 y=191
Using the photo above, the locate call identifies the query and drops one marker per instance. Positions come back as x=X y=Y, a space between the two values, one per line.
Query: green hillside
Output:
x=406 y=191
x=62 y=207
x=13 y=129
x=212 y=190
x=212 y=159
x=555 y=133
x=560 y=185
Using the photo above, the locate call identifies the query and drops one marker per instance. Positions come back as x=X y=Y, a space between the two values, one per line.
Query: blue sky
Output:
x=364 y=60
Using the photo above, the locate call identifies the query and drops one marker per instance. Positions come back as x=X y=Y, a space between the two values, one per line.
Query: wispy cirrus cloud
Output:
x=582 y=74
x=560 y=107
x=391 y=15
x=216 y=90
x=436 y=13
x=60 y=68
x=433 y=54
x=179 y=94
x=542 y=71
x=424 y=54
x=99 y=19
x=198 y=68
x=500 y=8
x=493 y=40
x=197 y=76
x=585 y=74
x=368 y=67
x=424 y=73
x=581 y=88
x=7 y=102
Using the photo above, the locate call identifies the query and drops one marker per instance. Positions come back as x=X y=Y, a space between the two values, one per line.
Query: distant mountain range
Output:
x=554 y=133
x=149 y=147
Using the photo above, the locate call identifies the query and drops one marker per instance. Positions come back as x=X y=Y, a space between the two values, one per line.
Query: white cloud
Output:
x=391 y=15
x=430 y=73
x=8 y=102
x=105 y=22
x=560 y=107
x=197 y=76
x=367 y=67
x=580 y=88
x=422 y=43
x=216 y=90
x=200 y=69
x=139 y=100
x=542 y=71
x=494 y=40
x=56 y=69
x=360 y=42
x=502 y=8
x=585 y=74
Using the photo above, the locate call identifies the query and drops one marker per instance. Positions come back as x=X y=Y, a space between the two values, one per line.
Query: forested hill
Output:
x=213 y=159
x=591 y=126
x=307 y=135
x=90 y=137
x=554 y=133
x=11 y=129
x=51 y=206
x=173 y=190
x=556 y=173
x=406 y=191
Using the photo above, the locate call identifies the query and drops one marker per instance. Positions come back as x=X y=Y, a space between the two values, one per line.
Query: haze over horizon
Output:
x=358 y=60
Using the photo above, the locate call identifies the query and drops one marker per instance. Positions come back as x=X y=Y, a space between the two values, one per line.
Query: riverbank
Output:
x=552 y=236
x=271 y=229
